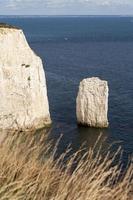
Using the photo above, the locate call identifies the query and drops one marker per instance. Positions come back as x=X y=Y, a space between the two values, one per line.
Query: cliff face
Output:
x=23 y=91
x=92 y=103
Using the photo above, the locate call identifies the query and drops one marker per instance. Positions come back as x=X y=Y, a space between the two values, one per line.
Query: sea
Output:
x=76 y=47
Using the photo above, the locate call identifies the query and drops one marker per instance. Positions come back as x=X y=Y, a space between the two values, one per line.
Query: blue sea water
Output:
x=73 y=48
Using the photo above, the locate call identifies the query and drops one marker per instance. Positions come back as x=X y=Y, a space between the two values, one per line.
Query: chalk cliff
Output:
x=92 y=103
x=23 y=91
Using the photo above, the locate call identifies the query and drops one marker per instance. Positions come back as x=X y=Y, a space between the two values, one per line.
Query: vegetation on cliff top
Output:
x=4 y=25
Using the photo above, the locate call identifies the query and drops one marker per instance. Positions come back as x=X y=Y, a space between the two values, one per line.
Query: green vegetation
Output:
x=29 y=79
x=4 y=25
x=27 y=66
x=28 y=170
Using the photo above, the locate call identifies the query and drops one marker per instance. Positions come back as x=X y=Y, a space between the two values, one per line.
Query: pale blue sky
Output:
x=66 y=7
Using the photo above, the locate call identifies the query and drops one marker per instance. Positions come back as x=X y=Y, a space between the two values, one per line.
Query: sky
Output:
x=66 y=7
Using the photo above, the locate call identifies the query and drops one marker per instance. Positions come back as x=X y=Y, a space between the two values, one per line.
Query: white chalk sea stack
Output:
x=23 y=92
x=92 y=103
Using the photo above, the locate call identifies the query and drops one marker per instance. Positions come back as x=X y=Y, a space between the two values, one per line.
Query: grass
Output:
x=26 y=66
x=29 y=79
x=29 y=171
x=4 y=25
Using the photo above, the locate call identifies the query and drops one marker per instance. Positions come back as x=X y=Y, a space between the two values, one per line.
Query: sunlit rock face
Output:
x=92 y=103
x=23 y=91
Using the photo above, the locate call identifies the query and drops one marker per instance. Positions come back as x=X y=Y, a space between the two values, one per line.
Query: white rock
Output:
x=23 y=91
x=92 y=103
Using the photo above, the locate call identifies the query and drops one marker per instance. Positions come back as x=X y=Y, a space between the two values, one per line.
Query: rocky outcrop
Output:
x=23 y=91
x=92 y=103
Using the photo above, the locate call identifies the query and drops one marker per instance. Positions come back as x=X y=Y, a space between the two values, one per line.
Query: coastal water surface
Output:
x=74 y=48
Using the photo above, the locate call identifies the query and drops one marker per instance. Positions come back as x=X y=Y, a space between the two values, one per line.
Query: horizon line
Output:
x=99 y=15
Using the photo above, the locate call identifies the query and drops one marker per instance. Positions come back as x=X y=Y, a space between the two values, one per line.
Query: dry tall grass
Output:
x=24 y=175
